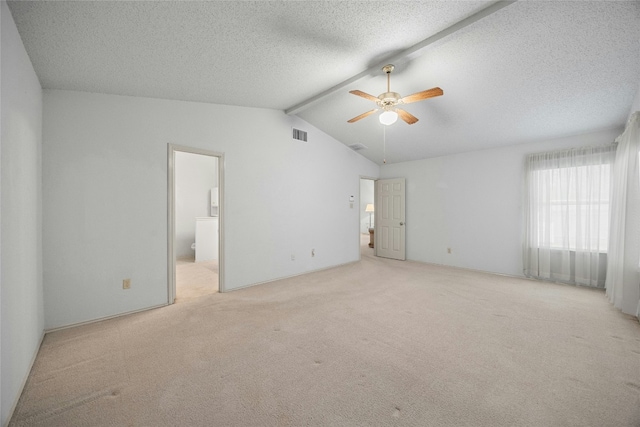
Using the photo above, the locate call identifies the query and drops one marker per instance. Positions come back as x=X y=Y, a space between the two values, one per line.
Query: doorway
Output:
x=195 y=223
x=366 y=227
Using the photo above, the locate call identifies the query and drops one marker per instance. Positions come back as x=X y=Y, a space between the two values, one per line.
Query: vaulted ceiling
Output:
x=512 y=72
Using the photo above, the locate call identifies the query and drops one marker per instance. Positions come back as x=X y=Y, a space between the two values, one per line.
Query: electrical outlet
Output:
x=448 y=250
x=293 y=257
x=313 y=253
x=126 y=284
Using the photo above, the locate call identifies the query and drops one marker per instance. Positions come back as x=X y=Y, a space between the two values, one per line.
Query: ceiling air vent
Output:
x=299 y=135
x=358 y=146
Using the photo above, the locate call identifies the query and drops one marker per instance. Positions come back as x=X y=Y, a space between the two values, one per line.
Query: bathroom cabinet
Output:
x=206 y=238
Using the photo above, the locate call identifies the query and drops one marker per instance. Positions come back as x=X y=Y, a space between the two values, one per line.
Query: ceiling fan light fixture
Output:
x=388 y=117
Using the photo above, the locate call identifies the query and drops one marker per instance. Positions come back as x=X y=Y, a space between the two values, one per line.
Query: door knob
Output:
x=401 y=222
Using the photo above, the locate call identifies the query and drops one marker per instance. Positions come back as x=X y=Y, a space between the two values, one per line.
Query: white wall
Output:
x=472 y=203
x=105 y=198
x=366 y=197
x=21 y=309
x=195 y=176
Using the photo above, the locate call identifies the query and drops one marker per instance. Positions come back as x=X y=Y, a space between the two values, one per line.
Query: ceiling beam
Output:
x=494 y=7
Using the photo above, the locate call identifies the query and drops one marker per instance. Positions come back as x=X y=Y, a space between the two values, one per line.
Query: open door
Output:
x=390 y=222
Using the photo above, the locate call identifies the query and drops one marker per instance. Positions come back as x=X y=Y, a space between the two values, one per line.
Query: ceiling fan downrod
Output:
x=388 y=69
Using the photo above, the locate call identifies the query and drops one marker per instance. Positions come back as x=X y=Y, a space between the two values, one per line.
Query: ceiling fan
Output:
x=389 y=101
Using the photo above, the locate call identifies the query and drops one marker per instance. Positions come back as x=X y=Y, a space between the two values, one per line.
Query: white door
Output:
x=389 y=231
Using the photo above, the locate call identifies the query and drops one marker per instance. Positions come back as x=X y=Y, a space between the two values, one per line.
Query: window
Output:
x=567 y=214
x=575 y=212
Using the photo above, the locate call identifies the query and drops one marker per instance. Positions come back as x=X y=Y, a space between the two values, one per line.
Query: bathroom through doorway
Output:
x=195 y=214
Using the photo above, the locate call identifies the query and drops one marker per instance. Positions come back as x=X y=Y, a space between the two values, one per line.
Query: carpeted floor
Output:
x=374 y=343
x=195 y=279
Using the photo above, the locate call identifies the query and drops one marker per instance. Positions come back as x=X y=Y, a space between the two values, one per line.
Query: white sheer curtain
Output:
x=567 y=214
x=622 y=284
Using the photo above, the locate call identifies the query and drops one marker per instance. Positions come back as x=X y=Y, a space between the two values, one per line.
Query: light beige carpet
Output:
x=374 y=343
x=195 y=279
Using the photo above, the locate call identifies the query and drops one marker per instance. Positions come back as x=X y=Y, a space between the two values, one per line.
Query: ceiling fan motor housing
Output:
x=388 y=99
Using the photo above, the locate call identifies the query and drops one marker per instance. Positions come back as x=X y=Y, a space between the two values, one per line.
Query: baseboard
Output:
x=88 y=322
x=289 y=277
x=360 y=259
x=24 y=380
x=515 y=276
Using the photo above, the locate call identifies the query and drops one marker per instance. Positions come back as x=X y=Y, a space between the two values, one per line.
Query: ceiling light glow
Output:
x=388 y=117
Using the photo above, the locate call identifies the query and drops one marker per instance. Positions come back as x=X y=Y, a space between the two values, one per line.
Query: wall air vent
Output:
x=299 y=135
x=358 y=146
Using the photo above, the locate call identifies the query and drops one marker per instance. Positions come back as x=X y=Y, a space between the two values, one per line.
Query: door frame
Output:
x=171 y=220
x=374 y=205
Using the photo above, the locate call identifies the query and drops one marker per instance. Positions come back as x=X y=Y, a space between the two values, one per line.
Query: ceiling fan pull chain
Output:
x=384 y=144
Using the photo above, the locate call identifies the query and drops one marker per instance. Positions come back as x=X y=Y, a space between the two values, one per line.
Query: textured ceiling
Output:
x=529 y=71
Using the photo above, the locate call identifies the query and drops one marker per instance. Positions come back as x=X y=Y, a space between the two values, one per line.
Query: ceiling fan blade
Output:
x=362 y=116
x=429 y=93
x=364 y=95
x=406 y=116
